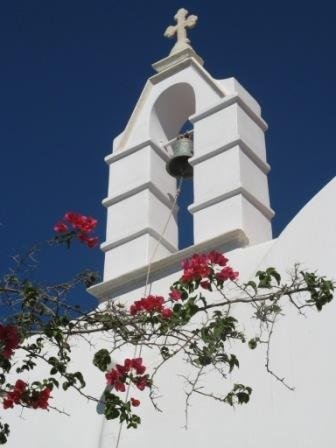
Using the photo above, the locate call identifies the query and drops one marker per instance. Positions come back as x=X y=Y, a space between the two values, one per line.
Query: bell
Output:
x=178 y=165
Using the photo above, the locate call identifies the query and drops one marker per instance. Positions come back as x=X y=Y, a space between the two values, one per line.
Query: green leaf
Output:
x=111 y=412
x=252 y=343
x=102 y=359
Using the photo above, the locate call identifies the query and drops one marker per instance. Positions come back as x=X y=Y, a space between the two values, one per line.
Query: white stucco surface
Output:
x=302 y=351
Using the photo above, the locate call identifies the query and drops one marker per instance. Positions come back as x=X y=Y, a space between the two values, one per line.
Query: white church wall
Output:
x=276 y=416
x=300 y=352
x=232 y=87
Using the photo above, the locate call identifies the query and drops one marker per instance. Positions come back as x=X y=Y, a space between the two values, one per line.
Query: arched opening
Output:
x=171 y=110
x=186 y=198
x=169 y=118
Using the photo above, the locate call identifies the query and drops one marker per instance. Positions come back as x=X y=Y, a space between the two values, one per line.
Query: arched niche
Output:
x=170 y=112
x=169 y=117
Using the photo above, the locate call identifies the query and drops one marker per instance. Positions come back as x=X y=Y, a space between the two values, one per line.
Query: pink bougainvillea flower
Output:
x=148 y=304
x=227 y=273
x=60 y=227
x=9 y=340
x=195 y=268
x=135 y=402
x=40 y=399
x=166 y=313
x=138 y=366
x=80 y=222
x=203 y=268
x=122 y=375
x=175 y=294
x=112 y=376
x=89 y=241
x=141 y=383
x=7 y=403
x=14 y=396
x=20 y=385
x=92 y=242
x=206 y=285
x=217 y=258
x=119 y=386
x=82 y=226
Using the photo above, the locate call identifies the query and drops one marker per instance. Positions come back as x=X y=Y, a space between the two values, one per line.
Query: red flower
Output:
x=166 y=313
x=175 y=294
x=82 y=225
x=20 y=385
x=202 y=267
x=148 y=304
x=227 y=273
x=92 y=242
x=217 y=258
x=89 y=241
x=71 y=217
x=112 y=376
x=40 y=399
x=80 y=222
x=60 y=227
x=206 y=285
x=15 y=395
x=195 y=268
x=119 y=386
x=135 y=402
x=119 y=376
x=7 y=403
x=141 y=382
x=137 y=365
x=128 y=364
x=10 y=340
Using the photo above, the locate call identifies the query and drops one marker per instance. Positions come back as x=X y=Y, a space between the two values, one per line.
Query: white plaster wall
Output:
x=231 y=87
x=41 y=429
x=138 y=212
x=258 y=227
x=302 y=351
x=253 y=179
x=159 y=177
x=129 y=171
x=235 y=212
x=219 y=218
x=251 y=133
x=226 y=172
x=128 y=216
x=225 y=175
x=215 y=130
x=134 y=254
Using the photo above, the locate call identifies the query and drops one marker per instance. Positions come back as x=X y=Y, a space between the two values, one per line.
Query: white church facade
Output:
x=231 y=214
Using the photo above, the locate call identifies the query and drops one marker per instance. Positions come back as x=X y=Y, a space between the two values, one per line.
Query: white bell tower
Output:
x=231 y=198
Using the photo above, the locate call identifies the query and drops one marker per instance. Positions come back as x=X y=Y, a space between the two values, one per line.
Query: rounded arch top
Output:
x=167 y=101
x=171 y=110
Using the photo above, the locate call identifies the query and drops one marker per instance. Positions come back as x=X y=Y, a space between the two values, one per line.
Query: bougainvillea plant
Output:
x=195 y=320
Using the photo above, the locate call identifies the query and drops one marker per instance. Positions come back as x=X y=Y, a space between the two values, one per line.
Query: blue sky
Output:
x=72 y=71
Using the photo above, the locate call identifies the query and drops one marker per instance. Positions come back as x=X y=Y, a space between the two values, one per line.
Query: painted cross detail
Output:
x=180 y=29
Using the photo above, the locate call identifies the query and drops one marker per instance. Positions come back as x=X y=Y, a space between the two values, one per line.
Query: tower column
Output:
x=230 y=169
x=140 y=197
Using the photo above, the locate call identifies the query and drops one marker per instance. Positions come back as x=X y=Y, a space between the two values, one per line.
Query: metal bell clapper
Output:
x=178 y=166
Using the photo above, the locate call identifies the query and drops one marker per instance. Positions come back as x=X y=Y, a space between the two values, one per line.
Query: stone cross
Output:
x=180 y=29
